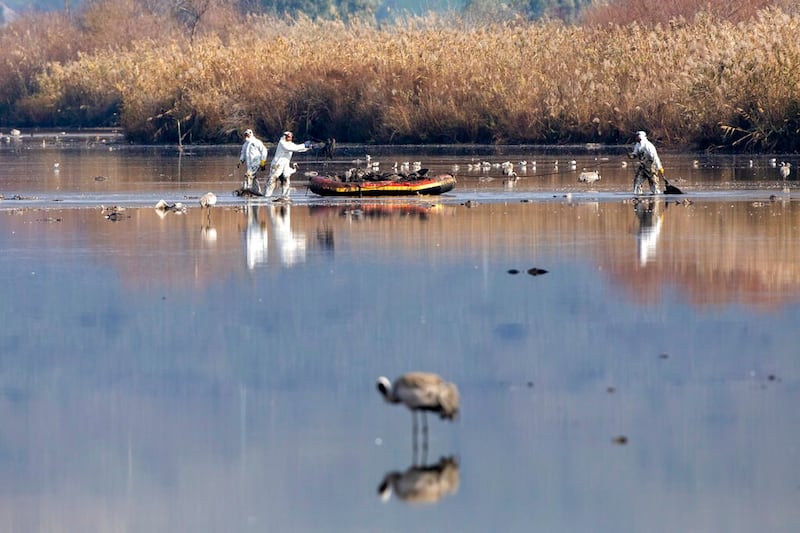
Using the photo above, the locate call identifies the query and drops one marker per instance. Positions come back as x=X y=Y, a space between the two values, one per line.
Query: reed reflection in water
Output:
x=156 y=379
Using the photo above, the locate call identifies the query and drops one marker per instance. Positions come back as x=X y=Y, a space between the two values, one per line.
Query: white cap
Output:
x=287 y=133
x=247 y=132
x=641 y=134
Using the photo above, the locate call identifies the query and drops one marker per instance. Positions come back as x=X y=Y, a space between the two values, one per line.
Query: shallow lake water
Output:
x=214 y=370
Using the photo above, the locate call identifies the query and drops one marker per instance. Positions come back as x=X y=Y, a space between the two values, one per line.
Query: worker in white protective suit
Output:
x=281 y=169
x=649 y=167
x=254 y=156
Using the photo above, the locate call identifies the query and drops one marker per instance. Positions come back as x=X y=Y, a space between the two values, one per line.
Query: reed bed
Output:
x=698 y=83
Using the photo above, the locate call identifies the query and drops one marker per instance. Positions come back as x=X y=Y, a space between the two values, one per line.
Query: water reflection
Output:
x=256 y=238
x=650 y=213
x=368 y=210
x=697 y=246
x=132 y=408
x=291 y=246
x=422 y=483
x=207 y=230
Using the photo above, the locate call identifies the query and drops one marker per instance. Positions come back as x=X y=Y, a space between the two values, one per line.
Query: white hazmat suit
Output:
x=254 y=156
x=649 y=166
x=280 y=168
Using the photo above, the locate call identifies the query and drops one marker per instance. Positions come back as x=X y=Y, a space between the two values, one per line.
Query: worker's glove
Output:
x=661 y=171
x=307 y=144
x=262 y=165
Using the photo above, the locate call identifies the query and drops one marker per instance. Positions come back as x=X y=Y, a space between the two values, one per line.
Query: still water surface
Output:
x=214 y=370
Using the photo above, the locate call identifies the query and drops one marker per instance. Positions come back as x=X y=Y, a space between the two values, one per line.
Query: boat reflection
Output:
x=379 y=210
x=422 y=484
x=650 y=213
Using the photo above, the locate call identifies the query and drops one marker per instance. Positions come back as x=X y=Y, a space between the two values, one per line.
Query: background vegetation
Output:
x=726 y=76
x=381 y=9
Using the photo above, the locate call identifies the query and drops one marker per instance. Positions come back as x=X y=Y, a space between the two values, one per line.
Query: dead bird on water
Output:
x=170 y=207
x=357 y=175
x=589 y=176
x=114 y=213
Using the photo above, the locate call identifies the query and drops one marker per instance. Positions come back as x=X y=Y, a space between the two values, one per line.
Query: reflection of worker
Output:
x=649 y=166
x=254 y=156
x=256 y=239
x=291 y=247
x=650 y=214
x=280 y=169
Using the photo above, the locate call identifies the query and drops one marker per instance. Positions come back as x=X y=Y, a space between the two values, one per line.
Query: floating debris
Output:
x=99 y=178
x=622 y=440
x=536 y=271
x=513 y=271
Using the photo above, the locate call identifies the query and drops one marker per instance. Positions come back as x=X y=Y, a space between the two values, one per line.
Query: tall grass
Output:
x=700 y=82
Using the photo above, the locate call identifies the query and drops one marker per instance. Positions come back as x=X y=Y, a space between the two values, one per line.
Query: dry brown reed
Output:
x=704 y=82
x=652 y=12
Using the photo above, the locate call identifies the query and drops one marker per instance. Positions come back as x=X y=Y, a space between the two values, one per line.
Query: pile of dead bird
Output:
x=358 y=175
